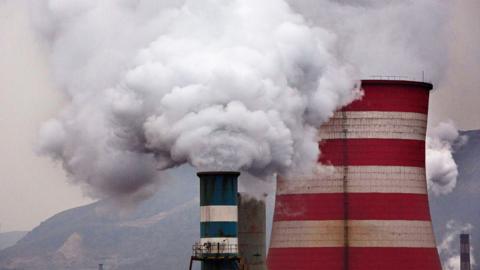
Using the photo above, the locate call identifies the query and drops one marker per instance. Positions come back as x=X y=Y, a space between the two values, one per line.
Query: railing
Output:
x=212 y=249
x=398 y=78
x=391 y=77
x=218 y=252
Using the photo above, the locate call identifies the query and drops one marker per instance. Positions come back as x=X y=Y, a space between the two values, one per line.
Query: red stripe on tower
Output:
x=379 y=152
x=361 y=206
x=371 y=210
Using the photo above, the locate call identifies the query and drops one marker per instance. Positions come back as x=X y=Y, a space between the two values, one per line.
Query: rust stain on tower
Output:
x=371 y=211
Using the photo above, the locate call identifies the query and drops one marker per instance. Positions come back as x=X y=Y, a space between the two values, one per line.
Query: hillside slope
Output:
x=8 y=239
x=156 y=235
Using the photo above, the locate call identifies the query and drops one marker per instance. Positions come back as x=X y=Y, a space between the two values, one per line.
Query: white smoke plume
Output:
x=449 y=248
x=442 y=171
x=222 y=85
x=406 y=38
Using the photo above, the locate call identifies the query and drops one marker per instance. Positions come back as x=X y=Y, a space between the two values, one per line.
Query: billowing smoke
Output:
x=222 y=85
x=406 y=38
x=449 y=248
x=441 y=168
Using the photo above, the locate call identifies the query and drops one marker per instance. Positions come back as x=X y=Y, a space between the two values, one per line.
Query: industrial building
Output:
x=368 y=209
x=371 y=210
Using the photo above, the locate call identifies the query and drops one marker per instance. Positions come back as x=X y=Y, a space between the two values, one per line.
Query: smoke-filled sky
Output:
x=220 y=85
x=91 y=71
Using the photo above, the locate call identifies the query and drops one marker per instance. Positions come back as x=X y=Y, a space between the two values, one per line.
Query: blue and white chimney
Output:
x=218 y=219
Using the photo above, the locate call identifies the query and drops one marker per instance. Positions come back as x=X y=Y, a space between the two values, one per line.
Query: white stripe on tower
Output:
x=378 y=125
x=218 y=213
x=361 y=233
x=308 y=233
x=391 y=233
x=360 y=179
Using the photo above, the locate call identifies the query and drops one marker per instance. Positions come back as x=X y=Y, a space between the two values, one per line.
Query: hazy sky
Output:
x=458 y=97
x=33 y=188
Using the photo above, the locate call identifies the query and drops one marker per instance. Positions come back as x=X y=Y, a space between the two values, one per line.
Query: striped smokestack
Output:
x=218 y=220
x=372 y=212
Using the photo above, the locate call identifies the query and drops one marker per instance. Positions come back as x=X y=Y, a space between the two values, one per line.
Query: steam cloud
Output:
x=399 y=38
x=449 y=247
x=441 y=168
x=230 y=85
x=395 y=37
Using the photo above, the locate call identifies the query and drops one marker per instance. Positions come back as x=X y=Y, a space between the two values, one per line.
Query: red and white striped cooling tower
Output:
x=372 y=212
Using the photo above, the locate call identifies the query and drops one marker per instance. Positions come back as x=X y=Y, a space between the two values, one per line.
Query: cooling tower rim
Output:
x=218 y=173
x=424 y=85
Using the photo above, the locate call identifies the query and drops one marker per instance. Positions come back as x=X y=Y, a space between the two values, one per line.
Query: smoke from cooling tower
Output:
x=442 y=171
x=230 y=85
x=400 y=38
x=395 y=37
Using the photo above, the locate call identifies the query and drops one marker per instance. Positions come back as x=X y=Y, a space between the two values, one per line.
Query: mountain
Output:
x=158 y=234
x=8 y=239
x=462 y=205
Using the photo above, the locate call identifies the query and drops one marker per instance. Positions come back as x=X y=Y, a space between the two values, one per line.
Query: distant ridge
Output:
x=8 y=239
x=157 y=235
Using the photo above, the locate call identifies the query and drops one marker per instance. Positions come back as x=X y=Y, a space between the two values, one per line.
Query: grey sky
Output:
x=457 y=94
x=32 y=188
x=458 y=97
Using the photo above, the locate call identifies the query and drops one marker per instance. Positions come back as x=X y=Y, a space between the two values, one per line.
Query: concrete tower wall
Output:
x=252 y=231
x=371 y=211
